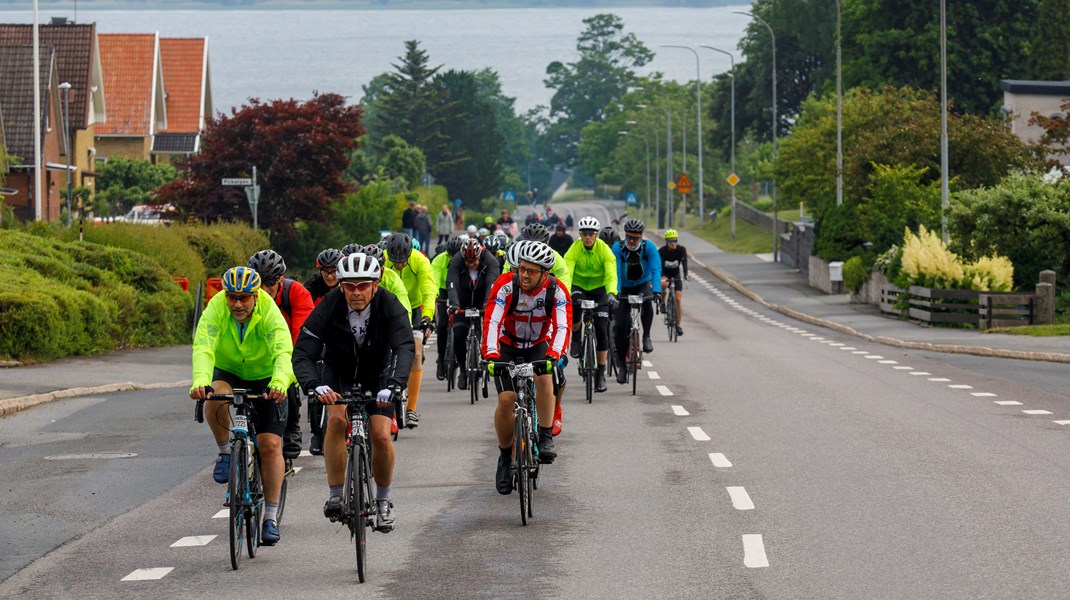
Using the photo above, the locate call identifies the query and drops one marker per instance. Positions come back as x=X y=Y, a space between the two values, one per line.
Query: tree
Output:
x=123 y=183
x=409 y=106
x=584 y=88
x=1049 y=54
x=474 y=142
x=300 y=149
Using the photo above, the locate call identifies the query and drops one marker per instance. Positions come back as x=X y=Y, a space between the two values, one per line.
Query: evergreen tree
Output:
x=1049 y=55
x=409 y=107
x=473 y=169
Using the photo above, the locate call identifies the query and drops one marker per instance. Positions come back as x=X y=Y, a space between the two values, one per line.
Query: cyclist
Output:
x=609 y=235
x=440 y=266
x=594 y=276
x=415 y=271
x=493 y=245
x=295 y=303
x=242 y=342
x=363 y=335
x=537 y=232
x=472 y=272
x=327 y=279
x=527 y=319
x=490 y=224
x=674 y=266
x=638 y=272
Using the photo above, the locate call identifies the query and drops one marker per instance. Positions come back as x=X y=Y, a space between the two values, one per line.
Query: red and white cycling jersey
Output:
x=530 y=323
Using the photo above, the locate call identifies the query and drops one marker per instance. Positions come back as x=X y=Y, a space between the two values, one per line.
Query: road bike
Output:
x=672 y=310
x=588 y=365
x=634 y=361
x=245 y=486
x=472 y=355
x=525 y=460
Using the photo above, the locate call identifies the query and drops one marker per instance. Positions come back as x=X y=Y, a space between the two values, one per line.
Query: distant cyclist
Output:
x=472 y=272
x=243 y=342
x=440 y=266
x=639 y=273
x=594 y=277
x=327 y=279
x=415 y=271
x=363 y=335
x=674 y=266
x=526 y=320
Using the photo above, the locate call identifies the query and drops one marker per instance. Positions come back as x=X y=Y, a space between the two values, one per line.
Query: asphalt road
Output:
x=761 y=458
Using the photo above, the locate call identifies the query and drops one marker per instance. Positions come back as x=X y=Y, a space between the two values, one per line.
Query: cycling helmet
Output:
x=489 y=220
x=503 y=240
x=588 y=224
x=492 y=244
x=670 y=234
x=440 y=248
x=633 y=226
x=472 y=231
x=328 y=259
x=359 y=266
x=609 y=235
x=374 y=251
x=483 y=232
x=512 y=253
x=471 y=249
x=269 y=265
x=399 y=247
x=538 y=253
x=536 y=232
x=351 y=249
x=244 y=280
x=453 y=246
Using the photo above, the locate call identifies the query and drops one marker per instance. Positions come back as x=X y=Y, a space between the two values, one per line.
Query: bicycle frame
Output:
x=635 y=346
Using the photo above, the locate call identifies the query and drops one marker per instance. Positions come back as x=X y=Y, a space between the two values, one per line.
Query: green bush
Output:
x=855 y=273
x=223 y=245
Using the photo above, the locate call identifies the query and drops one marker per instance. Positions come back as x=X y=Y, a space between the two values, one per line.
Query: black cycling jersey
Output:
x=672 y=261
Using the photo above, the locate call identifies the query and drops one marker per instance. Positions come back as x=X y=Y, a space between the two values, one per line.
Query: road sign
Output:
x=672 y=185
x=510 y=196
x=733 y=180
x=683 y=185
x=631 y=199
x=237 y=181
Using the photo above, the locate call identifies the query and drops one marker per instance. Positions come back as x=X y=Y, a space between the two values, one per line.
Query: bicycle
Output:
x=588 y=365
x=472 y=351
x=245 y=486
x=450 y=359
x=634 y=361
x=671 y=310
x=525 y=460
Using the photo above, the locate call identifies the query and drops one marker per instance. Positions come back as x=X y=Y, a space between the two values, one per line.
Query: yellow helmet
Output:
x=241 y=279
x=670 y=234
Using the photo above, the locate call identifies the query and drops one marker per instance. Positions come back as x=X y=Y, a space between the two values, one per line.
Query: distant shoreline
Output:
x=90 y=5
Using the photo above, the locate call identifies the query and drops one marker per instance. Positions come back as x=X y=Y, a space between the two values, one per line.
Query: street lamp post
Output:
x=646 y=143
x=657 y=159
x=944 y=188
x=698 y=128
x=839 y=111
x=776 y=223
x=668 y=162
x=731 y=58
x=37 y=182
x=65 y=87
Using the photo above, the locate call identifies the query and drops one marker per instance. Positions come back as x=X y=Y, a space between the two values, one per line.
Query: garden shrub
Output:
x=855 y=273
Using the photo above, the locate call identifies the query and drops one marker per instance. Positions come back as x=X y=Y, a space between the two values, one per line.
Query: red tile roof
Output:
x=128 y=61
x=74 y=58
x=183 y=79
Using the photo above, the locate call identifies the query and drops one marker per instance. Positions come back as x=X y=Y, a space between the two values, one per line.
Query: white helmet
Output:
x=483 y=232
x=538 y=253
x=588 y=223
x=359 y=266
x=512 y=253
x=472 y=230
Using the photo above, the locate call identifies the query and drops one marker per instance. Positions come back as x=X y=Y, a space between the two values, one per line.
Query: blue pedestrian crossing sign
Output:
x=509 y=196
x=631 y=199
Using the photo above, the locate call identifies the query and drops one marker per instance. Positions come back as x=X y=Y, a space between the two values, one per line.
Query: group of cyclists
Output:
x=363 y=319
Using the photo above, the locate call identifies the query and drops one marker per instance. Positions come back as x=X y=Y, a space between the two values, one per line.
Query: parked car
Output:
x=148 y=215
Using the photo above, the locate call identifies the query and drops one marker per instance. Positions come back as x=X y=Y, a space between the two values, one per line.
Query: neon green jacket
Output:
x=392 y=283
x=559 y=270
x=594 y=268
x=419 y=281
x=440 y=266
x=265 y=352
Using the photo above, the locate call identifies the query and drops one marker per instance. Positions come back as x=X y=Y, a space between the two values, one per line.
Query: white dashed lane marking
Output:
x=193 y=540
x=983 y=394
x=698 y=434
x=653 y=375
x=740 y=499
x=920 y=373
x=940 y=379
x=719 y=460
x=647 y=364
x=664 y=391
x=223 y=514
x=754 y=551
x=148 y=574
x=1061 y=422
x=1008 y=403
x=679 y=410
x=960 y=386
x=903 y=368
x=1037 y=412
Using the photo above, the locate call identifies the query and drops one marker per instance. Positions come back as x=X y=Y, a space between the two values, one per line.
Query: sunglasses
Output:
x=238 y=297
x=670 y=241
x=352 y=286
x=329 y=271
x=588 y=233
x=527 y=271
x=633 y=237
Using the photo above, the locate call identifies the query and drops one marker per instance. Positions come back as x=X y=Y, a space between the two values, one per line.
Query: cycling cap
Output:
x=243 y=280
x=351 y=249
x=359 y=266
x=633 y=226
x=538 y=253
x=374 y=251
x=328 y=259
x=588 y=224
x=399 y=247
x=670 y=234
x=609 y=235
x=471 y=249
x=453 y=246
x=536 y=232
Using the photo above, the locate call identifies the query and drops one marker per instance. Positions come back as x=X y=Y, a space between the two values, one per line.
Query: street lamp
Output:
x=668 y=161
x=65 y=87
x=698 y=127
x=646 y=142
x=772 y=36
x=731 y=58
x=657 y=159
x=839 y=110
x=944 y=191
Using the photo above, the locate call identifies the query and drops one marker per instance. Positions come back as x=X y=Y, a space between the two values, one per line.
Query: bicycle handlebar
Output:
x=542 y=367
x=198 y=411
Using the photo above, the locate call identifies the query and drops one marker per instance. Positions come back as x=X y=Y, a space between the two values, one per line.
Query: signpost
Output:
x=631 y=199
x=252 y=192
x=683 y=185
x=509 y=196
x=732 y=179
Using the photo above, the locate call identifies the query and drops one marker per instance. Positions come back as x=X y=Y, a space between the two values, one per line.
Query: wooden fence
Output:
x=941 y=307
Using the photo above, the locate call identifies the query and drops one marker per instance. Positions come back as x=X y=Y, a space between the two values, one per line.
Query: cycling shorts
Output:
x=502 y=381
x=270 y=417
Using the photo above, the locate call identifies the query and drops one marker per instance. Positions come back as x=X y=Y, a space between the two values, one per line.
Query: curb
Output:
x=10 y=406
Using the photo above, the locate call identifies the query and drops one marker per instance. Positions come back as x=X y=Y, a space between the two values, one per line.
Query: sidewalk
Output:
x=787 y=291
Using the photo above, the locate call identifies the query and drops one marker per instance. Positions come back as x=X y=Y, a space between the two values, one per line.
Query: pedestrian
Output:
x=408 y=219
x=568 y=221
x=444 y=224
x=423 y=228
x=458 y=214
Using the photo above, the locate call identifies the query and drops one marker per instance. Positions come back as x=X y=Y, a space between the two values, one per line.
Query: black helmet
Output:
x=609 y=235
x=453 y=246
x=399 y=247
x=536 y=232
x=440 y=248
x=374 y=251
x=328 y=259
x=634 y=226
x=493 y=244
x=352 y=249
x=269 y=265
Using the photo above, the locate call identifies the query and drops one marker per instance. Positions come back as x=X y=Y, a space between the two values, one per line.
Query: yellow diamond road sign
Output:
x=733 y=180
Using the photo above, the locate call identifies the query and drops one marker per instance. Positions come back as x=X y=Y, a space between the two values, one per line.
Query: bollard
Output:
x=1044 y=313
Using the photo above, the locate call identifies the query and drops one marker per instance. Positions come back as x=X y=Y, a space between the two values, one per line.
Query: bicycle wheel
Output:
x=236 y=495
x=589 y=361
x=521 y=452
x=634 y=359
x=356 y=506
x=255 y=508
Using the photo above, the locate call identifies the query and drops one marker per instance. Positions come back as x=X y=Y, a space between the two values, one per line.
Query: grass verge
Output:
x=749 y=238
x=1034 y=330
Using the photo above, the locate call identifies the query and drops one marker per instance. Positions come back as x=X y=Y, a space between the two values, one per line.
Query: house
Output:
x=188 y=94
x=17 y=103
x=77 y=59
x=1022 y=98
x=134 y=93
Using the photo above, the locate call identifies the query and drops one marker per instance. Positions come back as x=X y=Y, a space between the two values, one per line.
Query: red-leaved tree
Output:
x=299 y=148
